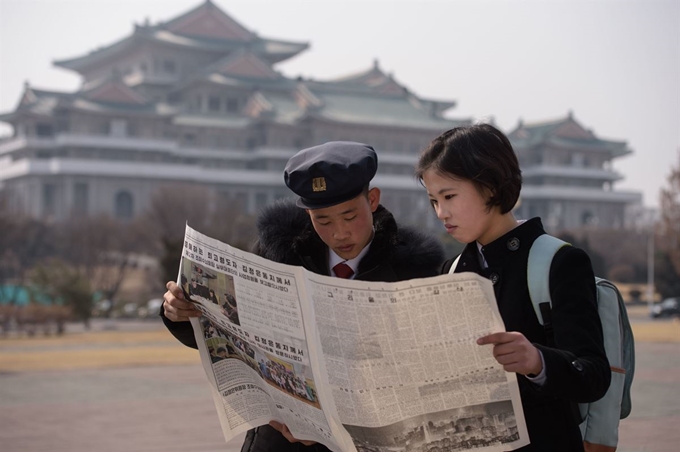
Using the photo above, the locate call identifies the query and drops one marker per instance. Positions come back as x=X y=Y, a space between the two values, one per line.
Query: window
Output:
x=49 y=200
x=189 y=138
x=169 y=66
x=213 y=140
x=124 y=205
x=405 y=206
x=578 y=160
x=232 y=105
x=240 y=201
x=118 y=128
x=214 y=103
x=260 y=200
x=80 y=198
x=587 y=218
x=43 y=130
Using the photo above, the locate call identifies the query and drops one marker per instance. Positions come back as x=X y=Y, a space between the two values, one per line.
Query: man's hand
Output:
x=283 y=429
x=514 y=352
x=175 y=307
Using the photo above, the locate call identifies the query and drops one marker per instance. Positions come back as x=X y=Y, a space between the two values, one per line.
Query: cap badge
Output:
x=319 y=184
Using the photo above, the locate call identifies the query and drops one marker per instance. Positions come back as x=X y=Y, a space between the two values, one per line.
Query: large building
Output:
x=568 y=178
x=198 y=100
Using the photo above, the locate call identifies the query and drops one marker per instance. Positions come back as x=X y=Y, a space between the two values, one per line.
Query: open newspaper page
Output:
x=403 y=368
x=252 y=339
x=355 y=365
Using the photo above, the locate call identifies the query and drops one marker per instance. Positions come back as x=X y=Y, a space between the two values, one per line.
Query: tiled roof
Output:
x=564 y=132
x=244 y=61
x=205 y=28
x=380 y=110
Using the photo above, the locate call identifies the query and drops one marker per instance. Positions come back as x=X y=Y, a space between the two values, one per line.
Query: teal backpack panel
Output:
x=601 y=418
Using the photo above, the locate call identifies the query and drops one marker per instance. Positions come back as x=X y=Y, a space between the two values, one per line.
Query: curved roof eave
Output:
x=616 y=148
x=83 y=62
x=440 y=126
x=276 y=51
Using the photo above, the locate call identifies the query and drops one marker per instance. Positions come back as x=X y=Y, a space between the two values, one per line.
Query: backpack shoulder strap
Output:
x=455 y=264
x=541 y=255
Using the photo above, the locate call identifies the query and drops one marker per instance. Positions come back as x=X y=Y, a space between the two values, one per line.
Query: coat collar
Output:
x=516 y=241
x=286 y=235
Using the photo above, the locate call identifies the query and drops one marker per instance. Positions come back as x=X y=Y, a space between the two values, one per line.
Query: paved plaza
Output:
x=166 y=407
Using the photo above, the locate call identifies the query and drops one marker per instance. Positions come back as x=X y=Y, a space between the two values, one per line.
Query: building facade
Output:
x=568 y=178
x=198 y=100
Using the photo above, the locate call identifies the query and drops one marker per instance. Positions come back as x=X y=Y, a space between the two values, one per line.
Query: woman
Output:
x=473 y=180
x=212 y=297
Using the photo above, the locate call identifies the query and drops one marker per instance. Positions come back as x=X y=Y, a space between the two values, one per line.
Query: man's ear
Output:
x=374 y=198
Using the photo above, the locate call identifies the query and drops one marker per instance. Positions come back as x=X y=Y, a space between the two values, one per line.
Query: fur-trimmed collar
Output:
x=285 y=234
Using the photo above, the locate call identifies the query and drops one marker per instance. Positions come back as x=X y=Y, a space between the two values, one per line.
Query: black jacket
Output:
x=576 y=366
x=286 y=235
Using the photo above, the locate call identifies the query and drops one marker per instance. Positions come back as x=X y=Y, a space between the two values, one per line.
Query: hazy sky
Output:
x=615 y=64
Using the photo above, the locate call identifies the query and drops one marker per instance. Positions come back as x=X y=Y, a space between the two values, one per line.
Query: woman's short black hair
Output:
x=481 y=154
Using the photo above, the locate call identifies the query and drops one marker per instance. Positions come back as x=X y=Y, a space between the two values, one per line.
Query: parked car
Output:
x=667 y=308
x=129 y=310
x=152 y=308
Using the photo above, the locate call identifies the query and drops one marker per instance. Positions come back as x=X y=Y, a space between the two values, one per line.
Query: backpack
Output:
x=600 y=419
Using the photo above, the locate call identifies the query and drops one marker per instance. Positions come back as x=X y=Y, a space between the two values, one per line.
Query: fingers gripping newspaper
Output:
x=354 y=365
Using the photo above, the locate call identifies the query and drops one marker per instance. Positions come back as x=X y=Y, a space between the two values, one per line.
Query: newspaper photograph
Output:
x=354 y=365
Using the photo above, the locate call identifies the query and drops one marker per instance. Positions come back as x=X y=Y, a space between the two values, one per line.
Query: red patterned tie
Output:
x=343 y=270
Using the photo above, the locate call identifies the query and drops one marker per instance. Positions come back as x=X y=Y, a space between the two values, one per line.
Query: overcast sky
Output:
x=615 y=64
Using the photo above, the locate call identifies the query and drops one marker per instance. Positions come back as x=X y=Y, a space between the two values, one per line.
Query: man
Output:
x=220 y=354
x=337 y=228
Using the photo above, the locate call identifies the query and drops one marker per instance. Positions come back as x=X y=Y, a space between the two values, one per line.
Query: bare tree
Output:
x=667 y=267
x=100 y=249
x=670 y=216
x=218 y=216
x=91 y=258
x=103 y=252
x=62 y=284
x=23 y=242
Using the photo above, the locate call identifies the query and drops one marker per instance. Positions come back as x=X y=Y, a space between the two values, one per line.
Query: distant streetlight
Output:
x=650 y=268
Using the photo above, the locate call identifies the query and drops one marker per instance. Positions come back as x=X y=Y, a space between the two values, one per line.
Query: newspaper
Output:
x=354 y=365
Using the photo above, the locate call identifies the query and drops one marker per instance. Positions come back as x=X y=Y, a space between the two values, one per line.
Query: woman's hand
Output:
x=514 y=352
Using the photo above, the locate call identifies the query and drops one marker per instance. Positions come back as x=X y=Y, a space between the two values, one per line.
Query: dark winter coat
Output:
x=286 y=235
x=576 y=366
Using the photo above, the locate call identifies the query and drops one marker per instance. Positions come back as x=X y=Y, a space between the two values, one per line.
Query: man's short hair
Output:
x=331 y=173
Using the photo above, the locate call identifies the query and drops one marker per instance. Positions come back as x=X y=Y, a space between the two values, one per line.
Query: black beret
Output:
x=330 y=173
